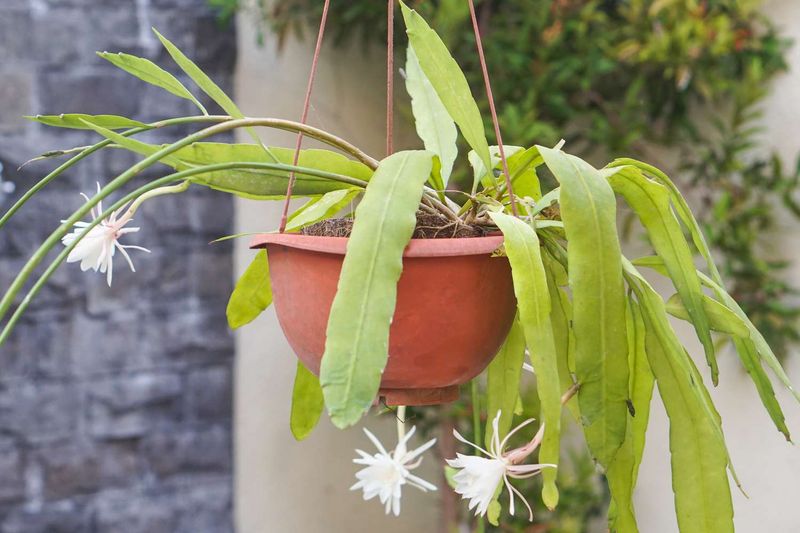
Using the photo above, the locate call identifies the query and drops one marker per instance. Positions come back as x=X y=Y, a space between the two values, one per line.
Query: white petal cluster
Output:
x=385 y=473
x=97 y=248
x=478 y=478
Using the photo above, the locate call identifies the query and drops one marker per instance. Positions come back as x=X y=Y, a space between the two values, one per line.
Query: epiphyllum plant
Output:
x=594 y=326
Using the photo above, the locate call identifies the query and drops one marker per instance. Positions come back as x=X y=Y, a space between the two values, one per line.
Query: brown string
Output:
x=304 y=117
x=390 y=78
x=495 y=122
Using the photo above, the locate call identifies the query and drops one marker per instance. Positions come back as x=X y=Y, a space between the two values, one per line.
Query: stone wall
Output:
x=115 y=403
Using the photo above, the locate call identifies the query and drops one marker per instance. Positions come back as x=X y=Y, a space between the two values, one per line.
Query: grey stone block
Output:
x=210 y=394
x=92 y=92
x=189 y=451
x=15 y=99
x=62 y=517
x=12 y=474
x=15 y=35
x=86 y=467
x=134 y=405
x=38 y=411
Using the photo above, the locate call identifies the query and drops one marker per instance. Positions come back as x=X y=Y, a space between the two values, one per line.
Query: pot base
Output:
x=419 y=396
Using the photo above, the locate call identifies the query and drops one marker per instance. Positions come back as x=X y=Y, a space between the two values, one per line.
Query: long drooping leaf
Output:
x=502 y=382
x=258 y=184
x=254 y=183
x=78 y=121
x=752 y=364
x=720 y=317
x=651 y=202
x=697 y=445
x=447 y=79
x=682 y=207
x=357 y=342
x=322 y=208
x=758 y=339
x=763 y=349
x=533 y=301
x=699 y=478
x=149 y=72
x=307 y=403
x=624 y=469
x=208 y=86
x=434 y=125
x=252 y=294
x=588 y=209
x=560 y=319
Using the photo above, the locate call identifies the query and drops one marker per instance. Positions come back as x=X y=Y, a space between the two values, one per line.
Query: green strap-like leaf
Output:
x=252 y=294
x=699 y=478
x=758 y=339
x=720 y=317
x=447 y=79
x=699 y=460
x=682 y=207
x=357 y=342
x=208 y=86
x=588 y=209
x=202 y=80
x=560 y=319
x=307 y=403
x=502 y=382
x=763 y=349
x=259 y=184
x=522 y=167
x=321 y=208
x=254 y=183
x=78 y=121
x=533 y=301
x=624 y=469
x=149 y=72
x=434 y=125
x=752 y=364
x=479 y=172
x=697 y=444
x=651 y=202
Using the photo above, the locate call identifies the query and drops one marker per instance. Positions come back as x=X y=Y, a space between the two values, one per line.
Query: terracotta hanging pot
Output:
x=455 y=305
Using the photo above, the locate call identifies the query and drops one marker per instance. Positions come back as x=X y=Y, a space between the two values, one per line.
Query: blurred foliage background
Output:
x=675 y=82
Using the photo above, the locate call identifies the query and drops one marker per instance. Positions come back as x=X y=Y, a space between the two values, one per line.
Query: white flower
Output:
x=479 y=478
x=97 y=248
x=385 y=472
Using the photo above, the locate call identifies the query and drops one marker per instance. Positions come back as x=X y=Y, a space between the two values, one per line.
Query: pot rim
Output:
x=416 y=247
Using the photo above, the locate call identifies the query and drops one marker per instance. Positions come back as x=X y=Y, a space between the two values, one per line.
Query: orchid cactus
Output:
x=598 y=334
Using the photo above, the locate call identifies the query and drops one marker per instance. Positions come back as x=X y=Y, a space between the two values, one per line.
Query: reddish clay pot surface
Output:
x=455 y=305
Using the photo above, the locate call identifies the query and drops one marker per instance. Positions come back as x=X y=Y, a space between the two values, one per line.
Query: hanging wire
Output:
x=304 y=117
x=495 y=122
x=390 y=78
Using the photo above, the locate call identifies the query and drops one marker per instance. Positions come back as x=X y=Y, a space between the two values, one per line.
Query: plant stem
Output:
x=171 y=189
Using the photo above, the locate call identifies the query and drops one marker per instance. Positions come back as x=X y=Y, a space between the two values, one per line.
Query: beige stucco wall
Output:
x=284 y=486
